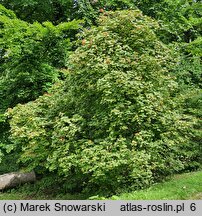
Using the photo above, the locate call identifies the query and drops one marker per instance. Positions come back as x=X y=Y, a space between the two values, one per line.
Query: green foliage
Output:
x=30 y=58
x=193 y=104
x=6 y=12
x=195 y=47
x=29 y=55
x=36 y=10
x=180 y=20
x=58 y=11
x=8 y=163
x=115 y=122
x=189 y=71
x=91 y=9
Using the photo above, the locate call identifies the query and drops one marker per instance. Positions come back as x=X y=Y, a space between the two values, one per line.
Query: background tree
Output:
x=47 y=10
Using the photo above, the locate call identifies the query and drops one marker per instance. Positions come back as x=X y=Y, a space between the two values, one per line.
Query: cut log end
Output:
x=11 y=180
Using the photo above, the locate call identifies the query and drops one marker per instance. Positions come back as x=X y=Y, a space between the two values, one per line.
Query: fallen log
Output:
x=11 y=180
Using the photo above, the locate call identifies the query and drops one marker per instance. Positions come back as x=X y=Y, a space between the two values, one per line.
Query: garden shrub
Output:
x=116 y=122
x=30 y=58
x=192 y=106
x=30 y=55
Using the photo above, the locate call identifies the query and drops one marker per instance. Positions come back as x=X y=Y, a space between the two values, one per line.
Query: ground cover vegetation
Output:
x=185 y=186
x=101 y=96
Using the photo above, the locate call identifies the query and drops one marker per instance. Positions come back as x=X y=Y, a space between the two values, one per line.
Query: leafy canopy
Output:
x=29 y=57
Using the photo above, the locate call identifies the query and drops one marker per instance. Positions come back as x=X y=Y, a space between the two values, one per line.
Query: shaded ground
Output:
x=187 y=186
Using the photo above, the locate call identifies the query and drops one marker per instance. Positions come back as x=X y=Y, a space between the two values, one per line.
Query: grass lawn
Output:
x=186 y=186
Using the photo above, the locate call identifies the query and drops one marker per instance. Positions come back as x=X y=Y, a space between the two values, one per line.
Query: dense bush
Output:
x=30 y=58
x=116 y=121
x=192 y=106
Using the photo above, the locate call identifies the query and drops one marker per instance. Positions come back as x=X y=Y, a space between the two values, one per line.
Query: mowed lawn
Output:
x=186 y=186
